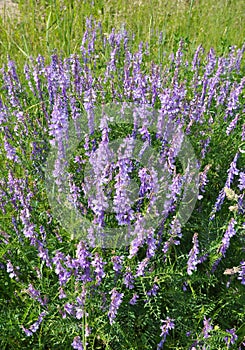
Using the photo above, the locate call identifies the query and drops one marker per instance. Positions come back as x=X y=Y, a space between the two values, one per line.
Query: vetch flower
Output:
x=193 y=261
x=241 y=273
x=34 y=327
x=241 y=180
x=133 y=300
x=153 y=290
x=230 y=340
x=98 y=264
x=229 y=233
x=12 y=270
x=116 y=300
x=207 y=327
x=167 y=325
x=77 y=344
x=117 y=263
x=232 y=171
x=141 y=267
x=128 y=278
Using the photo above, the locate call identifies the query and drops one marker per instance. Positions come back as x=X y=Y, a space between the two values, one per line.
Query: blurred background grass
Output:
x=40 y=26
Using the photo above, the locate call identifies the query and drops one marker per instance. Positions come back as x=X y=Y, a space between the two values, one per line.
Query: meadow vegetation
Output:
x=162 y=77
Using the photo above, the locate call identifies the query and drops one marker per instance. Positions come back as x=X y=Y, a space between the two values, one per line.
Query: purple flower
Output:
x=243 y=133
x=117 y=263
x=60 y=270
x=231 y=339
x=43 y=254
x=241 y=180
x=203 y=180
x=151 y=242
x=141 y=267
x=98 y=264
x=128 y=278
x=232 y=125
x=116 y=300
x=133 y=300
x=215 y=265
x=35 y=294
x=77 y=344
x=229 y=233
x=241 y=273
x=83 y=256
x=122 y=202
x=233 y=100
x=207 y=327
x=232 y=171
x=69 y=308
x=81 y=299
x=139 y=240
x=167 y=325
x=10 y=151
x=193 y=261
x=59 y=121
x=34 y=327
x=13 y=271
x=175 y=232
x=62 y=294
x=153 y=290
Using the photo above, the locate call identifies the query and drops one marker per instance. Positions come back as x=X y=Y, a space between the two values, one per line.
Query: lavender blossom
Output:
x=203 y=180
x=168 y=324
x=117 y=263
x=128 y=278
x=241 y=273
x=35 y=294
x=207 y=327
x=232 y=171
x=60 y=270
x=34 y=327
x=141 y=267
x=59 y=120
x=133 y=300
x=153 y=290
x=99 y=270
x=12 y=270
x=232 y=125
x=122 y=202
x=116 y=300
x=230 y=340
x=139 y=240
x=62 y=294
x=229 y=233
x=10 y=151
x=151 y=244
x=233 y=100
x=241 y=180
x=243 y=133
x=193 y=261
x=175 y=232
x=77 y=344
x=69 y=308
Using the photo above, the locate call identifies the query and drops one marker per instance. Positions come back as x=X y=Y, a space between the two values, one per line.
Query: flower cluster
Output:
x=193 y=260
x=167 y=325
x=116 y=300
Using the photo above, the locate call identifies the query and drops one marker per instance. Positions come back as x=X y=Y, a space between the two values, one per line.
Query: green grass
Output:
x=45 y=25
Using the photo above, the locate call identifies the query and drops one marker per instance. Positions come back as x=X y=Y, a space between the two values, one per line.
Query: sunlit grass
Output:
x=43 y=26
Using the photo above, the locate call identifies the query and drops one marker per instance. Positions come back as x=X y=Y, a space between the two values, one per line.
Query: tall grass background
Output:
x=44 y=26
